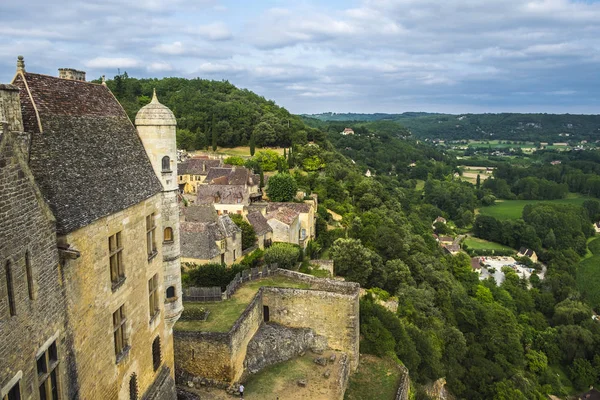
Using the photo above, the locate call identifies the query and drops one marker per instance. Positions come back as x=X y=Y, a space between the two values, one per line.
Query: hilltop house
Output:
x=347 y=131
x=525 y=252
x=597 y=227
x=193 y=172
x=209 y=238
x=91 y=282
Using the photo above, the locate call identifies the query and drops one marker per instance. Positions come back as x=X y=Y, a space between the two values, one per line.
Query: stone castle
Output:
x=90 y=281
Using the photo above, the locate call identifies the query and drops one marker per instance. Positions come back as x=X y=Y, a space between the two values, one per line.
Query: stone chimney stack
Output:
x=20 y=64
x=72 y=74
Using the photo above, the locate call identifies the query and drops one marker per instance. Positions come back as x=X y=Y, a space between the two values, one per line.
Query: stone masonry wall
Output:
x=27 y=227
x=333 y=315
x=92 y=300
x=218 y=356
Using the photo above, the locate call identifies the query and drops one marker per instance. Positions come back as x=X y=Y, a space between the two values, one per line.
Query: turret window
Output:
x=170 y=292
x=168 y=235
x=10 y=289
x=166 y=164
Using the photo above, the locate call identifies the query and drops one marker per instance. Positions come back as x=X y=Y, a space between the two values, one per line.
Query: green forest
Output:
x=509 y=126
x=517 y=340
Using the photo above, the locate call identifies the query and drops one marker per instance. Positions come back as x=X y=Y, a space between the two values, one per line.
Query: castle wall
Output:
x=27 y=226
x=92 y=300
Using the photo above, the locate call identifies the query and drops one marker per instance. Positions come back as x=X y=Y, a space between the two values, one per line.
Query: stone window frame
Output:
x=156 y=353
x=153 y=297
x=151 y=236
x=14 y=385
x=122 y=346
x=168 y=236
x=166 y=164
x=47 y=364
x=10 y=288
x=116 y=265
x=170 y=299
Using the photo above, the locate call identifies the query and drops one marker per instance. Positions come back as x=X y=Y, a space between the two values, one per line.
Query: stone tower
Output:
x=156 y=126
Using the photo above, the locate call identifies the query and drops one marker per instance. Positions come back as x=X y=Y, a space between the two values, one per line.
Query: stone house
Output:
x=264 y=232
x=193 y=171
x=285 y=223
x=208 y=238
x=108 y=251
x=230 y=190
x=597 y=227
x=525 y=252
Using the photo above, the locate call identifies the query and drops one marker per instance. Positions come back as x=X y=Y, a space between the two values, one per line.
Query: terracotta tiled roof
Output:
x=298 y=207
x=215 y=173
x=285 y=215
x=89 y=161
x=225 y=194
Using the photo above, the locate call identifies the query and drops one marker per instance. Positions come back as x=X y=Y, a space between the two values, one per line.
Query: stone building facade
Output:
x=106 y=278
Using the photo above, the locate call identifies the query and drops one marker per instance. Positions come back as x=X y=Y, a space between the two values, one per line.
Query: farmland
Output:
x=480 y=244
x=513 y=209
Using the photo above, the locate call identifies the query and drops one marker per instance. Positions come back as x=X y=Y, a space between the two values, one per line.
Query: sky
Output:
x=359 y=56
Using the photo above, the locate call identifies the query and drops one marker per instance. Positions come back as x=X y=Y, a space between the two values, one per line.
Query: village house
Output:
x=597 y=227
x=92 y=269
x=193 y=172
x=208 y=238
x=525 y=252
x=347 y=131
x=264 y=232
x=230 y=189
x=476 y=264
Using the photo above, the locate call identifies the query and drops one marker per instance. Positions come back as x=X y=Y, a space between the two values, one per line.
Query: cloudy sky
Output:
x=329 y=55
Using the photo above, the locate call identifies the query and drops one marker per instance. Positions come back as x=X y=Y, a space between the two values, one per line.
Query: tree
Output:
x=214 y=135
x=353 y=260
x=248 y=234
x=268 y=160
x=284 y=154
x=285 y=255
x=478 y=182
x=235 y=160
x=282 y=187
x=252 y=145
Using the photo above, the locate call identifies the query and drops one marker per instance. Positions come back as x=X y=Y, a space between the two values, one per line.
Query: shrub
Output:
x=285 y=255
x=253 y=259
x=234 y=160
x=268 y=160
x=213 y=275
x=248 y=234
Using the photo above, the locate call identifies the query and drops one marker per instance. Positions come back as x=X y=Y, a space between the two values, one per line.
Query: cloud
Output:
x=108 y=62
x=362 y=56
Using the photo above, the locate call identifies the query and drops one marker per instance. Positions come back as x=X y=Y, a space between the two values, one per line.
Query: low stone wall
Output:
x=217 y=356
x=329 y=285
x=404 y=386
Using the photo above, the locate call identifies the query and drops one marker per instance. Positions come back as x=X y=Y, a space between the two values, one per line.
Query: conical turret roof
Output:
x=155 y=113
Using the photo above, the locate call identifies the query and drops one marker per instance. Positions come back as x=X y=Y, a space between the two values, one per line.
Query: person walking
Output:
x=242 y=391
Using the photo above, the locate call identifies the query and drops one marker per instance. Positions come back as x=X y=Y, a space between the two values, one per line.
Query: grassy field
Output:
x=480 y=244
x=376 y=378
x=243 y=151
x=588 y=274
x=223 y=314
x=513 y=209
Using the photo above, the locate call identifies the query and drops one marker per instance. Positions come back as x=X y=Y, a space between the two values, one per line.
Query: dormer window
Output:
x=166 y=164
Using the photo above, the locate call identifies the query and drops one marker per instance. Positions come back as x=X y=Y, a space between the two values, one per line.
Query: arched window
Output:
x=168 y=235
x=170 y=292
x=166 y=164
x=133 y=387
x=156 y=358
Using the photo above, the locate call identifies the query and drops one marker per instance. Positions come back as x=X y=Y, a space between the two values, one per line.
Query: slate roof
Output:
x=215 y=173
x=229 y=175
x=228 y=227
x=526 y=252
x=197 y=166
x=259 y=223
x=228 y=194
x=200 y=213
x=198 y=240
x=298 y=207
x=87 y=158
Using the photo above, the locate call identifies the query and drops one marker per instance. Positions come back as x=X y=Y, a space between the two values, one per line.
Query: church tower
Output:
x=156 y=126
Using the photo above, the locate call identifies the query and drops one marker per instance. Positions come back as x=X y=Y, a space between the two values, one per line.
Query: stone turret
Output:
x=156 y=126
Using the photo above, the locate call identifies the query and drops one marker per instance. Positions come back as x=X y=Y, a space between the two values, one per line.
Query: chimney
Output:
x=20 y=64
x=72 y=74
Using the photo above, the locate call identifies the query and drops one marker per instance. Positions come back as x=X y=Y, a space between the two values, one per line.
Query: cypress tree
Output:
x=214 y=134
x=284 y=154
x=252 y=145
